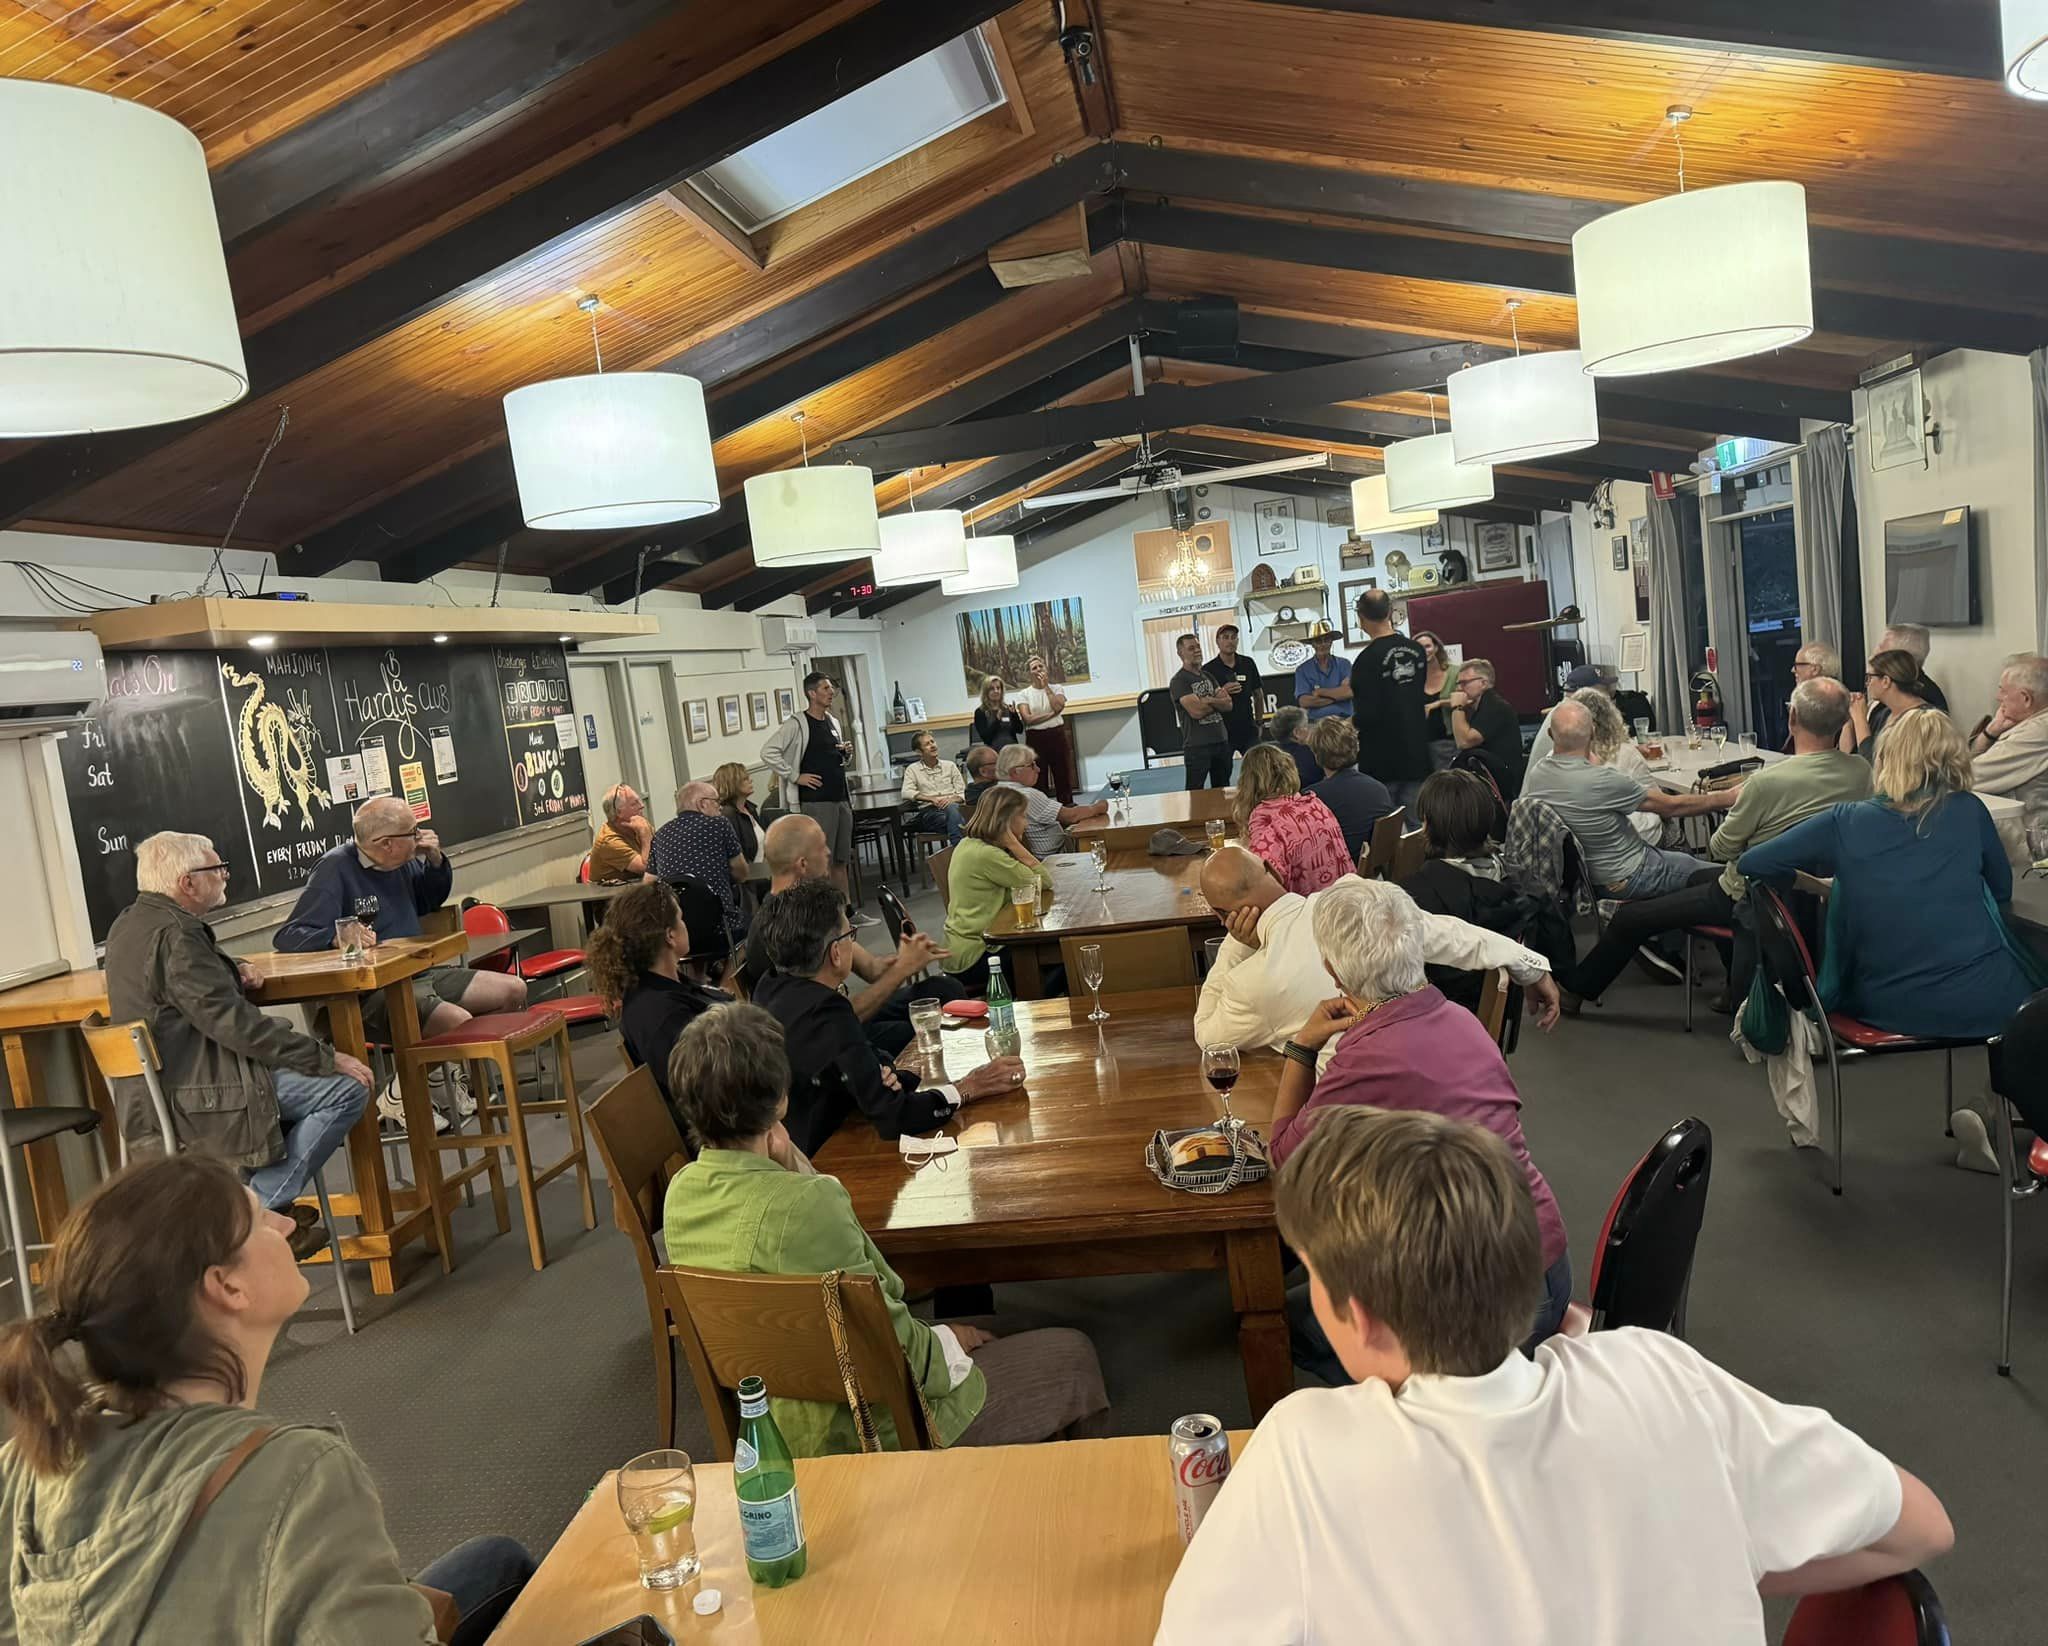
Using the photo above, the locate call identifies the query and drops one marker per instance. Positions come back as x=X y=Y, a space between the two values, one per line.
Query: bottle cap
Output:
x=707 y=1602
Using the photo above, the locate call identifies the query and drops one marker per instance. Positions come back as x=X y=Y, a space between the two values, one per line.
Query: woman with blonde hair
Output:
x=734 y=786
x=987 y=866
x=1297 y=836
x=996 y=723
x=1043 y=707
x=1612 y=746
x=1917 y=941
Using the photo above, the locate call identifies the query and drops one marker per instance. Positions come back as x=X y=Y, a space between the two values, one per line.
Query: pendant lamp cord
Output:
x=1514 y=327
x=1677 y=114
x=589 y=307
x=803 y=439
x=227 y=582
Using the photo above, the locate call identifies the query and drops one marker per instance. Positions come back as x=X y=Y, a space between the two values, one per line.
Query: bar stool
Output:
x=127 y=1051
x=495 y=1042
x=18 y=1129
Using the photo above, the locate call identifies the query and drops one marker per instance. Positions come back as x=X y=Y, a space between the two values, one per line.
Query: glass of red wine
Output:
x=1219 y=1068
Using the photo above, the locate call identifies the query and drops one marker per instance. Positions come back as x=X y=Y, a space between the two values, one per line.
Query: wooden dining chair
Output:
x=1157 y=958
x=642 y=1149
x=941 y=864
x=776 y=1328
x=1493 y=1003
x=1385 y=840
x=1410 y=853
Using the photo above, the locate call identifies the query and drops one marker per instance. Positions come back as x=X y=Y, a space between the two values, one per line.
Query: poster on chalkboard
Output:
x=280 y=710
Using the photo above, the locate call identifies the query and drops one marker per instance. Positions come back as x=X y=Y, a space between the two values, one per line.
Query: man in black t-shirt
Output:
x=1241 y=718
x=1484 y=720
x=1386 y=703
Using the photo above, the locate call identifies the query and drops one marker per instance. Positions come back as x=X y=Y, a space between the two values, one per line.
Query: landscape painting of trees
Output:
x=999 y=640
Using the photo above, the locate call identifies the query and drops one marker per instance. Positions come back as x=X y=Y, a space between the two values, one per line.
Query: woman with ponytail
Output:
x=652 y=972
x=143 y=1499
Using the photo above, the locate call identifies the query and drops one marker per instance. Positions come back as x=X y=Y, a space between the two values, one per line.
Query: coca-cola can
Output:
x=1201 y=1463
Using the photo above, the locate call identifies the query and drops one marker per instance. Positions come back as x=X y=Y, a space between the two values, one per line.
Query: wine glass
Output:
x=1718 y=736
x=1091 y=974
x=1099 y=851
x=1219 y=1068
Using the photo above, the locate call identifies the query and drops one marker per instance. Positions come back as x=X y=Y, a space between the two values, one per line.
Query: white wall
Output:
x=1984 y=406
x=1607 y=596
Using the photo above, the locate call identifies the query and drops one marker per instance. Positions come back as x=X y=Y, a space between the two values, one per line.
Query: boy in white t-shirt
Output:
x=1615 y=1489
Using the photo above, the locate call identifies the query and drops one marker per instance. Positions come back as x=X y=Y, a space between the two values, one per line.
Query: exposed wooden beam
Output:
x=718 y=229
x=1957 y=37
x=1088 y=65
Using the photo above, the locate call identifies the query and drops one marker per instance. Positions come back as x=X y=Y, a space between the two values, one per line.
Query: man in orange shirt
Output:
x=619 y=853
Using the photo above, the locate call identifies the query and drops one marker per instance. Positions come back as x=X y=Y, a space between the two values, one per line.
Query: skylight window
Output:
x=858 y=134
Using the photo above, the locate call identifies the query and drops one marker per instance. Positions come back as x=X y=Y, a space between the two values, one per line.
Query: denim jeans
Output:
x=1660 y=872
x=1404 y=792
x=944 y=820
x=317 y=1111
x=1313 y=1354
x=474 y=1571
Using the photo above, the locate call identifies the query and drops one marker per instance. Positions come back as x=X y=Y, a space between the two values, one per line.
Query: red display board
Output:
x=1474 y=617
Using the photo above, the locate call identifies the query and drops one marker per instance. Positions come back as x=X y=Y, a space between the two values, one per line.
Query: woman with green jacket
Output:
x=986 y=867
x=743 y=1206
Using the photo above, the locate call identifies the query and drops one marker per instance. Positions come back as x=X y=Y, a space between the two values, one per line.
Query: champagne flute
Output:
x=1099 y=851
x=1091 y=974
x=1718 y=736
x=1219 y=1068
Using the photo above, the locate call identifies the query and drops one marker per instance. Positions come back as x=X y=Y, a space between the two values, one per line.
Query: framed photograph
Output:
x=1897 y=431
x=1496 y=547
x=1639 y=539
x=1433 y=536
x=729 y=715
x=1347 y=602
x=1619 y=548
x=696 y=719
x=785 y=703
x=1275 y=517
x=757 y=710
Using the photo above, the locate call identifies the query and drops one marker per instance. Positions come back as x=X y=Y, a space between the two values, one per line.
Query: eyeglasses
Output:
x=209 y=868
x=844 y=936
x=406 y=834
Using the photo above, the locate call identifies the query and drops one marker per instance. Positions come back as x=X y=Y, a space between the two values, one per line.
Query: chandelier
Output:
x=1186 y=575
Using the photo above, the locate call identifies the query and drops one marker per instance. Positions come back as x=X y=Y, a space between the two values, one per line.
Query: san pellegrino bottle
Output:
x=1002 y=1012
x=764 y=1479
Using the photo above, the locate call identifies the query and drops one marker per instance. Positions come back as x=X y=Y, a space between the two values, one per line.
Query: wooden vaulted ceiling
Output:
x=416 y=194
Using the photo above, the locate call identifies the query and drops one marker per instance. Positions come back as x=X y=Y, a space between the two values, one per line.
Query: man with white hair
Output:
x=1268 y=976
x=2009 y=753
x=619 y=853
x=700 y=840
x=240 y=1083
x=1915 y=642
x=1596 y=803
x=1045 y=819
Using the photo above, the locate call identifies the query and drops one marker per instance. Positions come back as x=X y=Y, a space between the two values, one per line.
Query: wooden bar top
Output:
x=1063 y=1159
x=1143 y=891
x=1144 y=815
x=1073 y=1541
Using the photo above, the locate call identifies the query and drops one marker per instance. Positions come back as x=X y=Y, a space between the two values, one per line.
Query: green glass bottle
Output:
x=1002 y=1012
x=765 y=1481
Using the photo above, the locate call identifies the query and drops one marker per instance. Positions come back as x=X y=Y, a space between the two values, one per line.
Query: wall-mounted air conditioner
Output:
x=788 y=636
x=48 y=681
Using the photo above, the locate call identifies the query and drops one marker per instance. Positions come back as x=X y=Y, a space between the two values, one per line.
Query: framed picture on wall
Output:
x=1496 y=547
x=696 y=719
x=757 y=710
x=1347 y=602
x=785 y=703
x=1618 y=547
x=729 y=715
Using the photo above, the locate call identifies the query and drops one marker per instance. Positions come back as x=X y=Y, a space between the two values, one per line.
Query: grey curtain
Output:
x=1670 y=667
x=2038 y=361
x=1823 y=473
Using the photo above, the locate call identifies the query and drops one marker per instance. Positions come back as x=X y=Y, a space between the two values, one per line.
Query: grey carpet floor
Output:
x=492 y=1399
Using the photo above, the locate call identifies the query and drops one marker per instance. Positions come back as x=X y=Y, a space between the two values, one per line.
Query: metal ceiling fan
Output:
x=1150 y=473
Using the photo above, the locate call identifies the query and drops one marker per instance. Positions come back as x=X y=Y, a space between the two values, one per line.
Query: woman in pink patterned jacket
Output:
x=1295 y=833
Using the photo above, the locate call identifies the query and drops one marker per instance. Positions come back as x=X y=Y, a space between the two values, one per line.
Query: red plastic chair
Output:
x=1642 y=1266
x=1713 y=934
x=1895 y=1611
x=1783 y=949
x=488 y=920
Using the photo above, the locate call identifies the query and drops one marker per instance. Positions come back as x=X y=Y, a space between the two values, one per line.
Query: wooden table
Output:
x=482 y=945
x=386 y=1220
x=1144 y=892
x=1069 y=1542
x=1144 y=815
x=572 y=896
x=1051 y=1183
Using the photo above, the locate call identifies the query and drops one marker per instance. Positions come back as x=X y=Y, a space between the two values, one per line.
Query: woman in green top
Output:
x=743 y=1207
x=986 y=867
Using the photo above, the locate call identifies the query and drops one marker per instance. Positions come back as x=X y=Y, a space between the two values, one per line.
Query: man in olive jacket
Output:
x=241 y=1084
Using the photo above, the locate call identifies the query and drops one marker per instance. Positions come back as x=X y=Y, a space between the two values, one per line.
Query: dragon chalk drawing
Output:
x=274 y=752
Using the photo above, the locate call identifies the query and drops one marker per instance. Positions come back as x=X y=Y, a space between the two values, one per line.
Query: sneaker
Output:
x=309 y=1239
x=1656 y=965
x=391 y=1110
x=453 y=1078
x=862 y=918
x=1973 y=1152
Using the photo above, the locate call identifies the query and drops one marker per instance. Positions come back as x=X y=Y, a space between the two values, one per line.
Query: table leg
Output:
x=402 y=1017
x=45 y=1169
x=1259 y=1294
x=372 y=1209
x=1027 y=976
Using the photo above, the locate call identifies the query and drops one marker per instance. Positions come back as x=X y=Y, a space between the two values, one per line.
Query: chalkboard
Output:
x=270 y=753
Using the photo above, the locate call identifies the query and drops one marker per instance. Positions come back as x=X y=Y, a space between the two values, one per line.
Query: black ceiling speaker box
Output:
x=1206 y=329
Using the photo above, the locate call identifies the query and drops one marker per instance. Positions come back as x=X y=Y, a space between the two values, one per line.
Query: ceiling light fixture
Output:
x=440 y=640
x=1693 y=279
x=262 y=642
x=991 y=565
x=1533 y=405
x=812 y=517
x=2023 y=25
x=1425 y=474
x=1371 y=512
x=611 y=450
x=921 y=548
x=115 y=310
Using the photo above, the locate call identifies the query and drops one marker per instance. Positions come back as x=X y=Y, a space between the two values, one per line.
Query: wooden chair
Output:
x=1410 y=854
x=127 y=1051
x=1493 y=1004
x=641 y=1150
x=495 y=1042
x=1157 y=958
x=774 y=1327
x=1385 y=840
x=941 y=864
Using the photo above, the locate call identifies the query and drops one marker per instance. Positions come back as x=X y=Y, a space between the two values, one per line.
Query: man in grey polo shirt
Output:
x=1045 y=819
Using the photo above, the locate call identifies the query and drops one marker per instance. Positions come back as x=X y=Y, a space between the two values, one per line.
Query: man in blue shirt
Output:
x=1322 y=685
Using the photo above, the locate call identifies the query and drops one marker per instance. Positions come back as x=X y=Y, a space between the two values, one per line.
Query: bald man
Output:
x=1269 y=975
x=796 y=851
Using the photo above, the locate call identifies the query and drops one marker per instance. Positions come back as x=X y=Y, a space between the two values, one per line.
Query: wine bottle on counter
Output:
x=900 y=714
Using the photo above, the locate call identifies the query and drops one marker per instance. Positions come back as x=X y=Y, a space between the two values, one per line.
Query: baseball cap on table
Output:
x=1590 y=674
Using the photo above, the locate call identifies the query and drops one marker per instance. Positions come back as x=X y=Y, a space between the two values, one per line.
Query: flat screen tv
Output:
x=1930 y=570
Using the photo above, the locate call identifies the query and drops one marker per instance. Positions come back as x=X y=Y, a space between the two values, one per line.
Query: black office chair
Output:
x=894 y=915
x=1642 y=1266
x=1159 y=725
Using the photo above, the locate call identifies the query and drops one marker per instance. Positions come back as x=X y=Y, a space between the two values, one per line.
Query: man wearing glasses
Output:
x=1482 y=719
x=1045 y=819
x=390 y=874
x=240 y=1083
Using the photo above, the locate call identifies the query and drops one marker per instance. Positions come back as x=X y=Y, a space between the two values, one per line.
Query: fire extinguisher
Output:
x=1706 y=693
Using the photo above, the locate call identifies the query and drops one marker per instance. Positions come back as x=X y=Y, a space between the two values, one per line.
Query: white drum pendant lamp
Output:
x=1693 y=279
x=1533 y=405
x=115 y=311
x=2025 y=28
x=1426 y=474
x=1370 y=511
x=612 y=450
x=921 y=548
x=812 y=517
x=991 y=565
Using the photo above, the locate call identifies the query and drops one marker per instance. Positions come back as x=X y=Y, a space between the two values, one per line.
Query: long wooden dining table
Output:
x=1137 y=819
x=1139 y=892
x=1051 y=1182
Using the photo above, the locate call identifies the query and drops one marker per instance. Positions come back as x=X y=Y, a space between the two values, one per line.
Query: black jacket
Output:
x=1444 y=888
x=833 y=1070
x=652 y=1018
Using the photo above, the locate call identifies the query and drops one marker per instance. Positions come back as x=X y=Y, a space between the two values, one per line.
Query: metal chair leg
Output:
x=1948 y=1091
x=348 y=1307
x=1835 y=1079
x=1686 y=939
x=16 y=1239
x=2006 y=1171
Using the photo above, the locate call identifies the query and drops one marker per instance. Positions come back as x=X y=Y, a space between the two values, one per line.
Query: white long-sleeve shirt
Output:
x=1258 y=997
